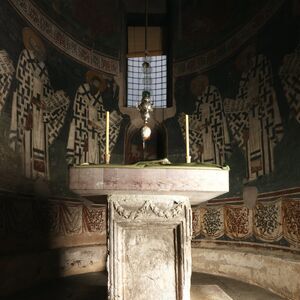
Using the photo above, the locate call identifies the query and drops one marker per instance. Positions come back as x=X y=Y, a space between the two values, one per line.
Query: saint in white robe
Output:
x=86 y=143
x=254 y=117
x=209 y=139
x=6 y=75
x=38 y=113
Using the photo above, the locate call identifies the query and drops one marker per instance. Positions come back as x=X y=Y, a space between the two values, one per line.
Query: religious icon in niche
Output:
x=209 y=137
x=6 y=75
x=38 y=112
x=290 y=79
x=86 y=142
x=254 y=117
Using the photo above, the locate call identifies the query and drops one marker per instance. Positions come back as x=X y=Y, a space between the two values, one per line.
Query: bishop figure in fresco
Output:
x=290 y=79
x=209 y=139
x=38 y=112
x=254 y=117
x=6 y=75
x=86 y=142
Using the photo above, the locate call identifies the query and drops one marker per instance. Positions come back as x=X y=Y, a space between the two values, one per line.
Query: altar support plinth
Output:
x=149 y=223
x=149 y=247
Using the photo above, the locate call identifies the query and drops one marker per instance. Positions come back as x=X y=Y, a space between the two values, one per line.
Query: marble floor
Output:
x=93 y=286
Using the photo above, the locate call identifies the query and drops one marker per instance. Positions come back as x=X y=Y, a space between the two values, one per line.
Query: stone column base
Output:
x=149 y=247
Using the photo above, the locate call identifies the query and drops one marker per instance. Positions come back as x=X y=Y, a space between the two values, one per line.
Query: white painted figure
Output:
x=209 y=139
x=38 y=112
x=6 y=75
x=254 y=117
x=86 y=142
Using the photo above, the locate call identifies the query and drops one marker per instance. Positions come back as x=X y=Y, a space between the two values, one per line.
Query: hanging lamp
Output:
x=145 y=106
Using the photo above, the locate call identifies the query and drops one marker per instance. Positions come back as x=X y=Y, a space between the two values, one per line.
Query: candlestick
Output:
x=187 y=139
x=107 y=154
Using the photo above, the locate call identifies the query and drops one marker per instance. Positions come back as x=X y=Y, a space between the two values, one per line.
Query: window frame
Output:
x=156 y=20
x=159 y=94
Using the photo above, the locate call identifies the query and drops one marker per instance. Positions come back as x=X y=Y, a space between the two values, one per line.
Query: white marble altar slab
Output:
x=200 y=184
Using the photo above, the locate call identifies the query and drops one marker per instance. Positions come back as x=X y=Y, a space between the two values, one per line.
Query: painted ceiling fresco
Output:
x=205 y=24
x=93 y=22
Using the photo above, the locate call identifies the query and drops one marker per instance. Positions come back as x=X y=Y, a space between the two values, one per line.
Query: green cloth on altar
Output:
x=160 y=163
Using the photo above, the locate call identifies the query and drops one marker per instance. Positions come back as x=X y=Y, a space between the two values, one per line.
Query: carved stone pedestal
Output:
x=149 y=247
x=149 y=222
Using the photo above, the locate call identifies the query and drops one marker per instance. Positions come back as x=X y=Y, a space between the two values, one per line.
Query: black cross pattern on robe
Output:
x=101 y=112
x=243 y=93
x=80 y=103
x=215 y=125
x=81 y=130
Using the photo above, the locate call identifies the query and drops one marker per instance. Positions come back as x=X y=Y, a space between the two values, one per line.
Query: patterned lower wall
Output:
x=30 y=223
x=66 y=222
x=42 y=239
x=273 y=221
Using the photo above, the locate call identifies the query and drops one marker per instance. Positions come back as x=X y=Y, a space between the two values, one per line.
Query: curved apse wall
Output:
x=44 y=69
x=47 y=78
x=244 y=100
x=244 y=107
x=240 y=89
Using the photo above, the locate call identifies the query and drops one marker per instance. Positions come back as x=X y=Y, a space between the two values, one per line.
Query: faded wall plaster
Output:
x=273 y=270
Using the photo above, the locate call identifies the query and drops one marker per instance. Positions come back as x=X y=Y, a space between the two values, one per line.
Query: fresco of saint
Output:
x=209 y=139
x=290 y=78
x=6 y=75
x=38 y=112
x=86 y=143
x=254 y=117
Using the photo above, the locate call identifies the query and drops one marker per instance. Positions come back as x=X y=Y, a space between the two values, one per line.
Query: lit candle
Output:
x=107 y=154
x=187 y=139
